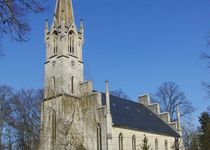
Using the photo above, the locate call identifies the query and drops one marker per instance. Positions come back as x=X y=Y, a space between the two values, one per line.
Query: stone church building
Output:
x=74 y=116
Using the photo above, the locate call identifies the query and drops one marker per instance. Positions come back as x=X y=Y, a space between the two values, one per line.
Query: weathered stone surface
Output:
x=75 y=122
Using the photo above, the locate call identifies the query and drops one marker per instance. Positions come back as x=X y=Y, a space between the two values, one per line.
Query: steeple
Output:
x=64 y=43
x=64 y=12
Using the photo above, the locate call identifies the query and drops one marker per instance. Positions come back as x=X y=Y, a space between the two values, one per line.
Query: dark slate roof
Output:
x=133 y=115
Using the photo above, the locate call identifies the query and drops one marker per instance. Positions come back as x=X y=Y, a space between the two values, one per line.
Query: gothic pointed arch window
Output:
x=99 y=139
x=55 y=39
x=156 y=144
x=166 y=145
x=133 y=142
x=53 y=85
x=71 y=42
x=53 y=127
x=72 y=84
x=120 y=138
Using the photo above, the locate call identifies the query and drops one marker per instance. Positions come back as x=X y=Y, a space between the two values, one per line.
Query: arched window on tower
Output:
x=53 y=86
x=134 y=142
x=72 y=84
x=156 y=144
x=55 y=38
x=120 y=138
x=166 y=145
x=53 y=127
x=71 y=42
x=73 y=45
x=99 y=139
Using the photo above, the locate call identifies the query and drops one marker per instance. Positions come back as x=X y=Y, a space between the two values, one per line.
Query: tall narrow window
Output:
x=73 y=46
x=166 y=145
x=156 y=144
x=53 y=86
x=72 y=85
x=120 y=141
x=71 y=42
x=134 y=142
x=53 y=127
x=55 y=36
x=99 y=140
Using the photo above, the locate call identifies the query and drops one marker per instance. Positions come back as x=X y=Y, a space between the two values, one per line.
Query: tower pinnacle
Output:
x=64 y=12
x=179 y=129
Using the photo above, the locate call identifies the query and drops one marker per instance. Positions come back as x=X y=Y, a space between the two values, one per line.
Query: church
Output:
x=75 y=116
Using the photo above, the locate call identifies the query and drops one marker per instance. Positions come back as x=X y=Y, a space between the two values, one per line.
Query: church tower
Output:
x=64 y=64
x=62 y=111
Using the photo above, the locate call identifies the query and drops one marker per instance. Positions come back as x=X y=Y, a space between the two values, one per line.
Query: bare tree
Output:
x=26 y=118
x=119 y=93
x=13 y=17
x=207 y=88
x=169 y=96
x=19 y=118
x=208 y=109
x=207 y=84
x=188 y=131
x=5 y=110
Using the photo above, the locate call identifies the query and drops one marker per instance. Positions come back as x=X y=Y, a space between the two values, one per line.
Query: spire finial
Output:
x=107 y=86
x=46 y=26
x=82 y=30
x=81 y=26
x=107 y=97
x=179 y=129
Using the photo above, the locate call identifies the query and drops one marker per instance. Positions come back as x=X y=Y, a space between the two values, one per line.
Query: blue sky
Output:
x=135 y=44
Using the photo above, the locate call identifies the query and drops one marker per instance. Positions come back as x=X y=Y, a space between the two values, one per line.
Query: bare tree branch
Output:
x=26 y=118
x=169 y=96
x=119 y=93
x=13 y=17
x=207 y=84
x=5 y=110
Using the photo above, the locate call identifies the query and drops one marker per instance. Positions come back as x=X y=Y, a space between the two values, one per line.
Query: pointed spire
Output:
x=64 y=11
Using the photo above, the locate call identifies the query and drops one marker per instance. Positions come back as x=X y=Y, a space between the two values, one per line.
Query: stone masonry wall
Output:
x=74 y=126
